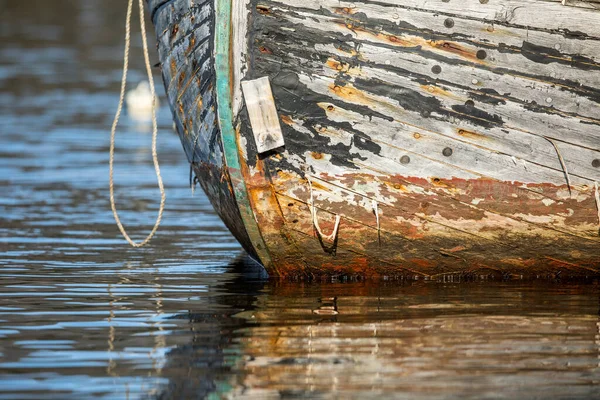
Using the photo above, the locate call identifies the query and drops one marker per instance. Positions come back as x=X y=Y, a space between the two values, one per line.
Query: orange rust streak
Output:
x=191 y=45
x=471 y=134
x=286 y=119
x=413 y=42
x=438 y=91
x=455 y=48
x=344 y=10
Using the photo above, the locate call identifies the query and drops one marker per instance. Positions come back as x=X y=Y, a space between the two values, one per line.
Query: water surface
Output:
x=82 y=315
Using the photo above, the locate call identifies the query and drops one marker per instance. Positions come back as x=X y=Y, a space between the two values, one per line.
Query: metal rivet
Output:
x=436 y=69
x=474 y=81
x=596 y=163
x=447 y=152
x=483 y=1
x=481 y=54
x=417 y=135
x=470 y=104
x=405 y=159
x=490 y=28
x=557 y=46
x=449 y=23
x=387 y=62
x=549 y=100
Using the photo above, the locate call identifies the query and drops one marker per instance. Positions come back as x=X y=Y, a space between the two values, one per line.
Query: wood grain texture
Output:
x=461 y=123
x=262 y=112
x=185 y=32
x=448 y=137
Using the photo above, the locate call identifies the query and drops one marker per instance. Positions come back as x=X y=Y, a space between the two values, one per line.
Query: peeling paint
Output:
x=439 y=117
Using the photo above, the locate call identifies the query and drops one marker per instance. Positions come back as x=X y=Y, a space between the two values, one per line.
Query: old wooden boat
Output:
x=393 y=137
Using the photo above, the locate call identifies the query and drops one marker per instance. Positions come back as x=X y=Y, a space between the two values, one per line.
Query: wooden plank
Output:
x=564 y=84
x=438 y=178
x=489 y=163
x=228 y=136
x=172 y=12
x=534 y=14
x=263 y=114
x=440 y=237
x=517 y=140
x=185 y=48
x=521 y=137
x=239 y=25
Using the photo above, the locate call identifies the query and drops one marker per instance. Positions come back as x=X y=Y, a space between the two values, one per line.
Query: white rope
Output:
x=315 y=220
x=154 y=127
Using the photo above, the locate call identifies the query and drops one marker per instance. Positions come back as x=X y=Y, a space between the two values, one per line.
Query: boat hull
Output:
x=419 y=141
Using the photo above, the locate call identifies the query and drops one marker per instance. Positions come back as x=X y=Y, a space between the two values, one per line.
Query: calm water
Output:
x=82 y=315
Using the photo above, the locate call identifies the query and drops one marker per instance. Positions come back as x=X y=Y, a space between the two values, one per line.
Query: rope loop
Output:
x=154 y=127
x=315 y=220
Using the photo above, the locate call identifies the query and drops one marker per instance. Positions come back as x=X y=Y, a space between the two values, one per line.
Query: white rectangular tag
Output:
x=263 y=114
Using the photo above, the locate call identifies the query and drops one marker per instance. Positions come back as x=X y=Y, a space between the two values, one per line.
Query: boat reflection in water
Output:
x=411 y=340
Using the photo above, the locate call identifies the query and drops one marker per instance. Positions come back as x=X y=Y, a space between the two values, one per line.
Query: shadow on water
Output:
x=82 y=315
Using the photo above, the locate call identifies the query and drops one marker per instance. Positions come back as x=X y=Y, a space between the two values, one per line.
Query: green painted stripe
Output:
x=225 y=113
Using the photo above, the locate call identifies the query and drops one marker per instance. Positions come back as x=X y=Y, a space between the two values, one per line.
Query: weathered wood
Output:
x=542 y=15
x=239 y=51
x=185 y=35
x=447 y=137
x=262 y=112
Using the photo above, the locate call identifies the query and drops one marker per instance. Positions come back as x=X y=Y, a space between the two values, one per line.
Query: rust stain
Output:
x=173 y=66
x=263 y=10
x=350 y=93
x=455 y=48
x=174 y=31
x=443 y=46
x=286 y=119
x=346 y=68
x=182 y=117
x=472 y=135
x=410 y=244
x=438 y=91
x=345 y=10
x=180 y=81
x=191 y=45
